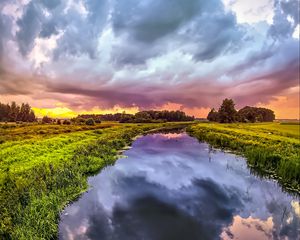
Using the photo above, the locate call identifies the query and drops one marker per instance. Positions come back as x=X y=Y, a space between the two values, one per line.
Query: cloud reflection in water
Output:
x=173 y=187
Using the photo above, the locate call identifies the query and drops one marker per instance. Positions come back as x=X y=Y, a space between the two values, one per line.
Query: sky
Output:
x=66 y=57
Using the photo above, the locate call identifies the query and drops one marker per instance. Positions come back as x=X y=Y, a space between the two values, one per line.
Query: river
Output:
x=170 y=186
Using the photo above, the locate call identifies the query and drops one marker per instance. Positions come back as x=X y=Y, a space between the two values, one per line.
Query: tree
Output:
x=254 y=114
x=46 y=119
x=213 y=115
x=247 y=114
x=66 y=122
x=227 y=112
x=4 y=112
x=13 y=112
x=31 y=117
x=90 y=122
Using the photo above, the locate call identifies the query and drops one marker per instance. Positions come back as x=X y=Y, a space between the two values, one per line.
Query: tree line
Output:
x=228 y=114
x=16 y=113
x=141 y=117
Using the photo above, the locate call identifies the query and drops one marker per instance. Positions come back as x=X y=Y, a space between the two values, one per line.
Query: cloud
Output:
x=285 y=19
x=148 y=54
x=204 y=28
x=30 y=25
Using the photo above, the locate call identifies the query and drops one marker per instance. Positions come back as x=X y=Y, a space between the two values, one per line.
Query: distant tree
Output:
x=143 y=116
x=90 y=122
x=66 y=122
x=227 y=112
x=267 y=114
x=15 y=113
x=46 y=119
x=31 y=116
x=80 y=120
x=4 y=112
x=247 y=114
x=58 y=121
x=213 y=115
x=254 y=114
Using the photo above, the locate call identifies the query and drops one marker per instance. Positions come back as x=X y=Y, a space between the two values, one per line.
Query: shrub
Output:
x=90 y=122
x=46 y=119
x=67 y=122
x=80 y=120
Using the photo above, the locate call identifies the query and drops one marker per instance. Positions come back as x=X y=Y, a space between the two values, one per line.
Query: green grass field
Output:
x=273 y=149
x=44 y=167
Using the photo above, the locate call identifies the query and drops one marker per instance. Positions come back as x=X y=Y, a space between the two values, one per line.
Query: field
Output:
x=44 y=167
x=272 y=149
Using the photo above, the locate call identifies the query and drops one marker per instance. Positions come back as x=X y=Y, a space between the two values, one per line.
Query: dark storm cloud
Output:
x=282 y=27
x=291 y=8
x=30 y=26
x=80 y=33
x=5 y=26
x=18 y=84
x=204 y=24
x=218 y=33
x=51 y=4
x=144 y=31
x=149 y=21
x=129 y=94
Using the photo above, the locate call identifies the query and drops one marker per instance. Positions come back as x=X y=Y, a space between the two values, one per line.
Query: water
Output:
x=172 y=187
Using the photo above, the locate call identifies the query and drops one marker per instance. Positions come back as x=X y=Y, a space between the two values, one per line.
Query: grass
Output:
x=271 y=148
x=44 y=167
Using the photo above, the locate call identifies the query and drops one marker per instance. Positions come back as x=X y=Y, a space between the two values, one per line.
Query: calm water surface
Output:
x=170 y=186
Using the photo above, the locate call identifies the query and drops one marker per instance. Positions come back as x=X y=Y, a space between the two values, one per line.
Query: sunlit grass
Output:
x=40 y=172
x=272 y=148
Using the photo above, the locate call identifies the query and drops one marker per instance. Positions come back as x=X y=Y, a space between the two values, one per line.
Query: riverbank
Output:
x=271 y=148
x=44 y=167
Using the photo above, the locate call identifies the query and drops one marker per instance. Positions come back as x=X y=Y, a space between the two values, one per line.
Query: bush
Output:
x=97 y=121
x=90 y=122
x=46 y=119
x=80 y=120
x=67 y=122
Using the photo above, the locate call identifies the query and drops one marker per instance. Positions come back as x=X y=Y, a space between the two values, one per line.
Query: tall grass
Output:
x=270 y=152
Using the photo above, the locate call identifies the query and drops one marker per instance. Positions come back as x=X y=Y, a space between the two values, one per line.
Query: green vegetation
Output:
x=271 y=148
x=228 y=114
x=44 y=167
x=150 y=116
x=90 y=122
x=15 y=113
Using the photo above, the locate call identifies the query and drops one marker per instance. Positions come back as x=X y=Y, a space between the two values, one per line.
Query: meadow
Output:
x=271 y=149
x=44 y=167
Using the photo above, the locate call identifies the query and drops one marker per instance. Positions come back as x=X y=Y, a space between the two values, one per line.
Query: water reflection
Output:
x=170 y=186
